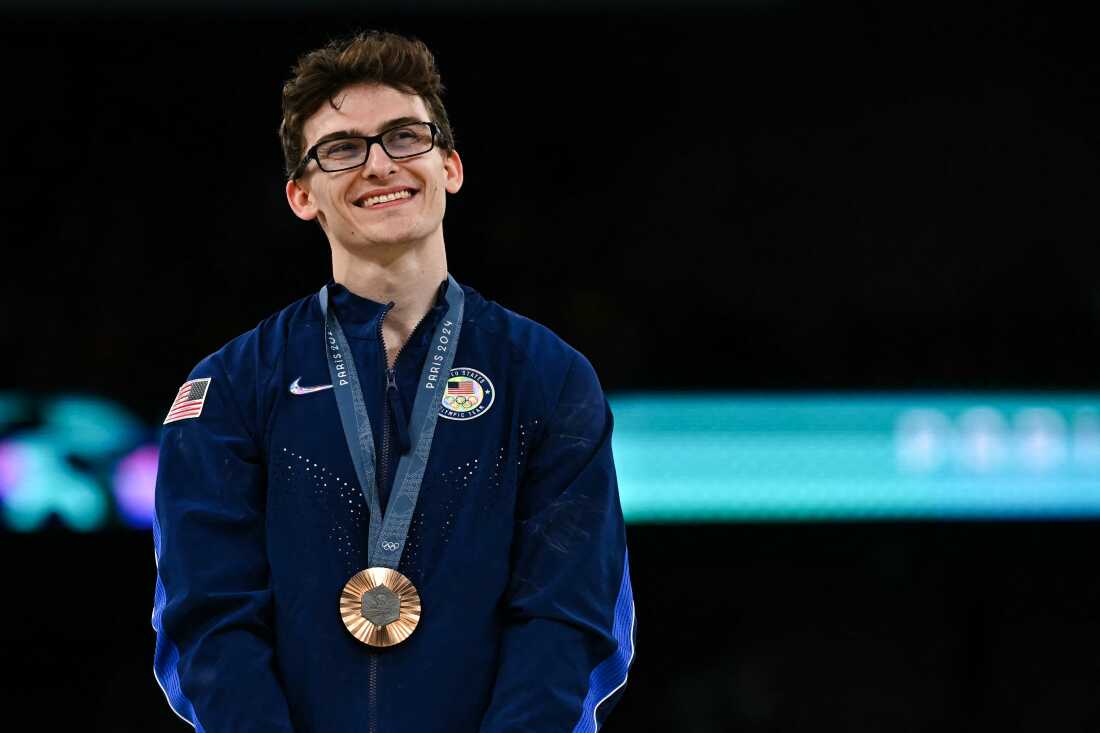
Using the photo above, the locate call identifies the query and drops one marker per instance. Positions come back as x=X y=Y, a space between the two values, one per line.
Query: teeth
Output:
x=404 y=194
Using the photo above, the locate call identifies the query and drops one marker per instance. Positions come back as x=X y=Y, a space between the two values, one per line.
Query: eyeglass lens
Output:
x=399 y=142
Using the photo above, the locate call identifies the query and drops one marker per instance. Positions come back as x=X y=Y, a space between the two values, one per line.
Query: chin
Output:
x=372 y=240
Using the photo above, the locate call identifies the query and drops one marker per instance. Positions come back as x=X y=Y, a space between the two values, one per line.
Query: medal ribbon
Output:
x=387 y=534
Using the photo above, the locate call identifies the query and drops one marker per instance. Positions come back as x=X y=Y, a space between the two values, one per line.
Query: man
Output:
x=392 y=505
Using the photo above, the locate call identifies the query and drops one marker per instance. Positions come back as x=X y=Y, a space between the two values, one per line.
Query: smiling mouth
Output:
x=373 y=202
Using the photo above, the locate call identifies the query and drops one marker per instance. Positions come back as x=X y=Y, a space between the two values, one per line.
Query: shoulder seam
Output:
x=259 y=429
x=515 y=349
x=549 y=404
x=216 y=358
x=266 y=388
x=561 y=388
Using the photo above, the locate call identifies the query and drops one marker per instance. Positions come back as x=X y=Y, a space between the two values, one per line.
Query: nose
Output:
x=378 y=164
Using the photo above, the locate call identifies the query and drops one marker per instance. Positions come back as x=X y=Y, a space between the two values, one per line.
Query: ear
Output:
x=301 y=203
x=452 y=167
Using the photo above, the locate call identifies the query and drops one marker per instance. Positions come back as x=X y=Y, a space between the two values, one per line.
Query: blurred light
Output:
x=923 y=440
x=714 y=457
x=1086 y=446
x=697 y=458
x=1041 y=438
x=983 y=445
x=55 y=468
x=45 y=484
x=89 y=426
x=134 y=485
x=12 y=467
x=13 y=408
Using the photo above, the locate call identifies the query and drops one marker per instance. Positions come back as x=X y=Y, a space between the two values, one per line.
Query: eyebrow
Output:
x=356 y=132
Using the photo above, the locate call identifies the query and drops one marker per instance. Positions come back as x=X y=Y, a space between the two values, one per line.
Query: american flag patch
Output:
x=189 y=400
x=457 y=387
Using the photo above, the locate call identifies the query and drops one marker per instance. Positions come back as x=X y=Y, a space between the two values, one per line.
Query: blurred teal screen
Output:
x=85 y=463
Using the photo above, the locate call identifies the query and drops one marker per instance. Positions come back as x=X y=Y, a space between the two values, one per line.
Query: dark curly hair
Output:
x=377 y=57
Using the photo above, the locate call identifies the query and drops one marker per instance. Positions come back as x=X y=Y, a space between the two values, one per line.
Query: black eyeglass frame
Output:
x=311 y=154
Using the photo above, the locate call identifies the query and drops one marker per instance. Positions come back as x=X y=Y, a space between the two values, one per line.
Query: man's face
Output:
x=340 y=200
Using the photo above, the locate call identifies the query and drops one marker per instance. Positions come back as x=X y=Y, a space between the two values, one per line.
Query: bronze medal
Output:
x=380 y=606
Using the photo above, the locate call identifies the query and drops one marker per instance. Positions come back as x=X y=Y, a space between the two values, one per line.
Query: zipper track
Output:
x=390 y=379
x=384 y=464
x=372 y=693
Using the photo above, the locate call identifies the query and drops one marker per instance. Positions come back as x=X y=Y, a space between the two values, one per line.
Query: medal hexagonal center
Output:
x=381 y=606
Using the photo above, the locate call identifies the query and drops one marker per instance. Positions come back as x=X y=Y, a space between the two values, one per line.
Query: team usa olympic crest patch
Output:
x=469 y=394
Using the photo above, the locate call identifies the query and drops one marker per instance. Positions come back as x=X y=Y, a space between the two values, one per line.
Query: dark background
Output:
x=760 y=196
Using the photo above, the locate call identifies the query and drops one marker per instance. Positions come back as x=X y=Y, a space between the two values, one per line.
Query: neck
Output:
x=409 y=277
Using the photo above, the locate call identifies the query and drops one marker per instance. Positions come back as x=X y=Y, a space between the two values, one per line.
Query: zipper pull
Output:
x=397 y=410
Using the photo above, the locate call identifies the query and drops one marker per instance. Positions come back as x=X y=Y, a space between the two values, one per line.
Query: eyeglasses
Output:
x=403 y=141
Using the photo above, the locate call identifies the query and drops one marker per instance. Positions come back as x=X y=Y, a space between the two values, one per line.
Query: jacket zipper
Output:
x=384 y=464
x=391 y=383
x=372 y=686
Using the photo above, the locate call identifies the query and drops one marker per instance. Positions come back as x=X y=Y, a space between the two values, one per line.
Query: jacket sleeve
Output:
x=212 y=607
x=569 y=641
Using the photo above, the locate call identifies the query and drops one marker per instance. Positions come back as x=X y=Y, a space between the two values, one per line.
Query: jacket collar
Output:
x=356 y=312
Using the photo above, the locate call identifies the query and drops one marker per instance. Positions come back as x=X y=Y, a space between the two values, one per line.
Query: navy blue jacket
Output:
x=517 y=547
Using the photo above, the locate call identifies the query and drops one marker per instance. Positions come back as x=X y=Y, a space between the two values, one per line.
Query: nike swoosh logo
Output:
x=296 y=388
